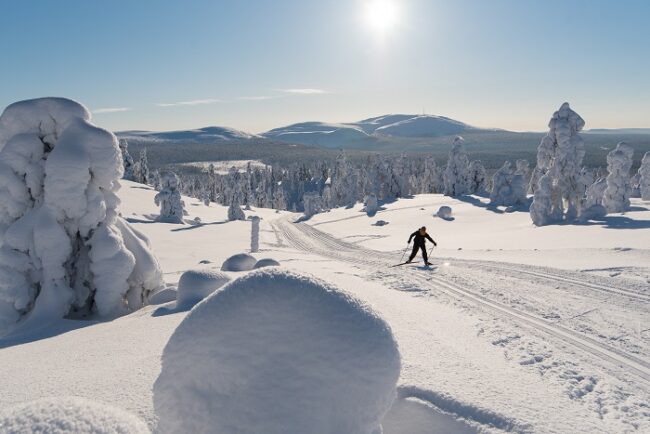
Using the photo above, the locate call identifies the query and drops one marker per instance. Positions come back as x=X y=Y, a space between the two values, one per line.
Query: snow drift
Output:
x=266 y=262
x=195 y=285
x=239 y=262
x=277 y=352
x=69 y=416
x=64 y=249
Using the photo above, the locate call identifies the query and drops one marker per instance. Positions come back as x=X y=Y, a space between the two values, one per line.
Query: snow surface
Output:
x=323 y=361
x=195 y=285
x=68 y=416
x=463 y=358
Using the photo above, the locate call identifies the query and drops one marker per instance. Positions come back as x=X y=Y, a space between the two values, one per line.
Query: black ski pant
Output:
x=417 y=247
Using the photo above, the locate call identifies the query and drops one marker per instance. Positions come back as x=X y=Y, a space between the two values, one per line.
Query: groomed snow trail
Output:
x=309 y=239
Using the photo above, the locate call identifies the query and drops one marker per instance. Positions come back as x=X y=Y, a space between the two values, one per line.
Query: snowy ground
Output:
x=514 y=328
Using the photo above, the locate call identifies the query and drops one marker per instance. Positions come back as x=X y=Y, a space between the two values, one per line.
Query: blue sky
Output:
x=258 y=64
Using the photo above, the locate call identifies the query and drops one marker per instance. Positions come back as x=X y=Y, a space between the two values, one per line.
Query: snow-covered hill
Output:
x=201 y=135
x=319 y=134
x=514 y=328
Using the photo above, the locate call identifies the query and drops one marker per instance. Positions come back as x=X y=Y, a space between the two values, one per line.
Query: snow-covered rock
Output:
x=65 y=251
x=616 y=197
x=172 y=208
x=239 y=262
x=195 y=285
x=444 y=212
x=266 y=262
x=69 y=415
x=276 y=352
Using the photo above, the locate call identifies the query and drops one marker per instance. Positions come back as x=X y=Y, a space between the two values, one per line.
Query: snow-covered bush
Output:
x=445 y=212
x=276 y=352
x=372 y=205
x=559 y=158
x=313 y=203
x=616 y=197
x=127 y=160
x=69 y=415
x=255 y=234
x=239 y=262
x=64 y=249
x=644 y=181
x=266 y=262
x=172 y=207
x=508 y=187
x=456 y=176
x=234 y=210
x=195 y=285
x=477 y=177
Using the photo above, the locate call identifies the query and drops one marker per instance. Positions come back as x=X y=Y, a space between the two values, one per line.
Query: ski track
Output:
x=306 y=238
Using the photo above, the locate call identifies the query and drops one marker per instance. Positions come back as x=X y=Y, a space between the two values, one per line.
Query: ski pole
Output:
x=431 y=252
x=402 y=258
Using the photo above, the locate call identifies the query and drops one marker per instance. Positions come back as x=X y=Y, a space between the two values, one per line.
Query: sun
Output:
x=381 y=15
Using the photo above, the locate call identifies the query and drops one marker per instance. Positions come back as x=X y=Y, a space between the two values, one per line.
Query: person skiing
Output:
x=420 y=236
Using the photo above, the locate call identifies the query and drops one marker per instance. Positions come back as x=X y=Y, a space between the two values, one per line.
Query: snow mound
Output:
x=277 y=352
x=195 y=285
x=266 y=262
x=69 y=415
x=163 y=296
x=239 y=262
x=444 y=212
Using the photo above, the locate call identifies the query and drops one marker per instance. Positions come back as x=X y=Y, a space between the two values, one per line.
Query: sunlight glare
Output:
x=381 y=15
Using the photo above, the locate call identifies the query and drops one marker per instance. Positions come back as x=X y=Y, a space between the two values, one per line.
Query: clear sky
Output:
x=259 y=64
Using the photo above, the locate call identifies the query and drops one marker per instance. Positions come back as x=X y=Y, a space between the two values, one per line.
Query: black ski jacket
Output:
x=419 y=239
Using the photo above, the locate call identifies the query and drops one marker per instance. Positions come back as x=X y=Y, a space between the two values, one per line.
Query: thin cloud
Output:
x=256 y=98
x=304 y=91
x=112 y=110
x=192 y=102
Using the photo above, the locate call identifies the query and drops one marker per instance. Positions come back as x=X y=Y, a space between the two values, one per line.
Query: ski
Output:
x=398 y=265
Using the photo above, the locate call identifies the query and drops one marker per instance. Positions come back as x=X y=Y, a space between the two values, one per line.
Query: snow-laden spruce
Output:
x=313 y=203
x=172 y=207
x=616 y=197
x=508 y=187
x=592 y=208
x=127 y=161
x=477 y=177
x=456 y=176
x=559 y=159
x=64 y=249
x=141 y=172
x=371 y=205
x=277 y=352
x=644 y=180
x=69 y=415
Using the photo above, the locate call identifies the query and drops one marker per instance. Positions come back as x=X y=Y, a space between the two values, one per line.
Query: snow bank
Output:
x=239 y=262
x=444 y=212
x=195 y=285
x=69 y=415
x=266 y=262
x=276 y=352
x=65 y=251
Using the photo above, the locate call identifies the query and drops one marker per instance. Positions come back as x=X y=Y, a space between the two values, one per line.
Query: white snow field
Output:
x=515 y=328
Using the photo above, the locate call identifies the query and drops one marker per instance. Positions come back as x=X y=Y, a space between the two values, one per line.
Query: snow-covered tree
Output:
x=635 y=185
x=644 y=181
x=169 y=199
x=141 y=169
x=477 y=177
x=313 y=203
x=431 y=179
x=456 y=177
x=371 y=204
x=234 y=210
x=592 y=208
x=65 y=250
x=508 y=187
x=559 y=159
x=127 y=160
x=343 y=181
x=617 y=194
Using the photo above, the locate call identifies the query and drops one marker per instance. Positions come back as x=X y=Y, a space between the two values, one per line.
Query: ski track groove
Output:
x=299 y=236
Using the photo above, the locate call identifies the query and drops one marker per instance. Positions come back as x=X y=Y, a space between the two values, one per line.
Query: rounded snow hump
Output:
x=239 y=262
x=195 y=285
x=69 y=415
x=277 y=352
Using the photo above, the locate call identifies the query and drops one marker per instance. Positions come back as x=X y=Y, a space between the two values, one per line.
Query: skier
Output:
x=420 y=239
